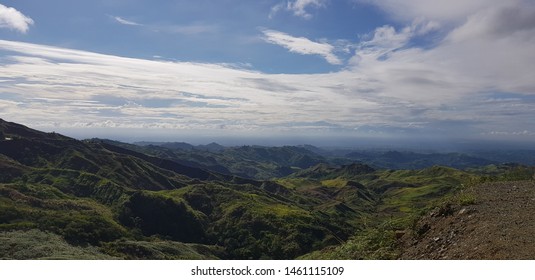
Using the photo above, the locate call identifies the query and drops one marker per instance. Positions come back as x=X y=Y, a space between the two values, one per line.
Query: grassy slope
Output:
x=109 y=202
x=406 y=195
x=92 y=194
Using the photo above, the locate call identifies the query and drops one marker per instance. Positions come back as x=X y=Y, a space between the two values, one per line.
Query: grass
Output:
x=36 y=244
x=78 y=220
x=466 y=199
x=466 y=195
x=369 y=244
x=161 y=250
x=297 y=183
x=334 y=183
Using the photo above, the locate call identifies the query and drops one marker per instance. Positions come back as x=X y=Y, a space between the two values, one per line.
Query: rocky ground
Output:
x=498 y=223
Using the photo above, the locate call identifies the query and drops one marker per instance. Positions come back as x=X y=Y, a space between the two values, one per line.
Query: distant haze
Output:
x=333 y=141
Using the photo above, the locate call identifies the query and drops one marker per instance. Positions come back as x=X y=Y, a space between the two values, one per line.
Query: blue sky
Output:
x=201 y=31
x=300 y=69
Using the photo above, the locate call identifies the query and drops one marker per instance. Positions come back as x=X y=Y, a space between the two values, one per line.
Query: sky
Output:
x=307 y=70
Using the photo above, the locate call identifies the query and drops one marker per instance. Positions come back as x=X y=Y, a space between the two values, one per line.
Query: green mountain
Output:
x=414 y=160
x=92 y=193
x=61 y=198
x=264 y=163
x=254 y=162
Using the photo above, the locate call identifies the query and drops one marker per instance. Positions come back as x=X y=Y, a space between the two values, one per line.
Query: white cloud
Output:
x=387 y=38
x=191 y=29
x=496 y=23
x=12 y=19
x=475 y=76
x=302 y=45
x=51 y=83
x=489 y=51
x=275 y=9
x=126 y=22
x=441 y=10
x=297 y=7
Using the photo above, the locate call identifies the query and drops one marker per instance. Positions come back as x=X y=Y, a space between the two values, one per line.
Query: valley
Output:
x=62 y=198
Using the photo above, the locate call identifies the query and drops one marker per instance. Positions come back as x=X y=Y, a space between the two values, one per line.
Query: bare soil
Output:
x=500 y=224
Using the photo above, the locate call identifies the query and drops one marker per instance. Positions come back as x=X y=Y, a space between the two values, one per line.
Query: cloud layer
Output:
x=468 y=76
x=12 y=19
x=440 y=10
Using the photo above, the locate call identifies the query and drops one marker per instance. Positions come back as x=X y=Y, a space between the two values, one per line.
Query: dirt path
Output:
x=500 y=225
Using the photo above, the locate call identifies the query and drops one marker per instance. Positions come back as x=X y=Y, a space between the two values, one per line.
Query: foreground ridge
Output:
x=497 y=225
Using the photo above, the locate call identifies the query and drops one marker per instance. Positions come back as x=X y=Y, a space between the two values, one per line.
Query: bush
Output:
x=36 y=244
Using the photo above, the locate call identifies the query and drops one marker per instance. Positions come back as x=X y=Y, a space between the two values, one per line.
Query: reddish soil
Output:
x=500 y=224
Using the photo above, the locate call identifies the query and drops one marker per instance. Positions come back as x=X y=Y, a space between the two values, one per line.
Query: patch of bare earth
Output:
x=499 y=225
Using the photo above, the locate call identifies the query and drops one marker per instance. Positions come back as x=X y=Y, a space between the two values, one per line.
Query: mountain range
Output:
x=63 y=198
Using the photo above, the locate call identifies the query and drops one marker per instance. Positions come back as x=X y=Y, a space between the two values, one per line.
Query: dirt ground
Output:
x=500 y=224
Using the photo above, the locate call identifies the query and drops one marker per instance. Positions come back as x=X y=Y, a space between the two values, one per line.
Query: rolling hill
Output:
x=92 y=193
x=102 y=199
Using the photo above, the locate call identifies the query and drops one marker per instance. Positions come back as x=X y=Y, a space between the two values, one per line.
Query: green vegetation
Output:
x=36 y=244
x=66 y=199
x=255 y=162
x=251 y=223
x=156 y=249
x=376 y=243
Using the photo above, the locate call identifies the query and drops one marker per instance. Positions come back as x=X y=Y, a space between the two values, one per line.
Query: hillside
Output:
x=413 y=160
x=497 y=224
x=101 y=199
x=264 y=163
x=253 y=162
x=128 y=204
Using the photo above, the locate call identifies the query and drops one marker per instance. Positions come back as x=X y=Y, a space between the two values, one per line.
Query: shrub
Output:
x=36 y=244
